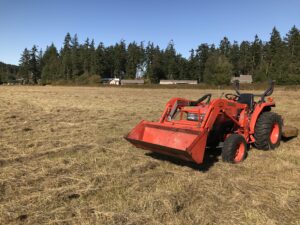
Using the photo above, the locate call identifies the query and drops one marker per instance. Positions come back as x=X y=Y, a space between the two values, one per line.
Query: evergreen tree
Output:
x=171 y=66
x=276 y=57
x=193 y=66
x=149 y=60
x=110 y=62
x=225 y=47
x=34 y=65
x=25 y=65
x=218 y=69
x=234 y=58
x=66 y=57
x=157 y=66
x=293 y=43
x=245 y=58
x=51 y=65
x=88 y=57
x=183 y=67
x=202 y=54
x=92 y=52
x=257 y=59
x=154 y=63
x=256 y=52
x=77 y=67
x=135 y=58
x=119 y=58
x=100 y=60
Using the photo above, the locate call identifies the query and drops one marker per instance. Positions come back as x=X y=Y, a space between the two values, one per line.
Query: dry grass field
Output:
x=63 y=160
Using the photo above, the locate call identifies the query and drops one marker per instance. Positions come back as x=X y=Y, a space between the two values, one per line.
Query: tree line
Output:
x=277 y=59
x=8 y=72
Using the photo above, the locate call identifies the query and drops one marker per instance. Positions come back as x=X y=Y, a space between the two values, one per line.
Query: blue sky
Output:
x=188 y=23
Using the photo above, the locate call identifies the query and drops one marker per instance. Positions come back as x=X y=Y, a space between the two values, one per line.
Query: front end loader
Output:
x=187 y=128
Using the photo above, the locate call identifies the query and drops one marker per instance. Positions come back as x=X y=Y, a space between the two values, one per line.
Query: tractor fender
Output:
x=261 y=107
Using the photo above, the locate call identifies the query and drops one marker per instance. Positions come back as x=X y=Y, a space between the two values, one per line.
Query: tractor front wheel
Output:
x=234 y=149
x=268 y=131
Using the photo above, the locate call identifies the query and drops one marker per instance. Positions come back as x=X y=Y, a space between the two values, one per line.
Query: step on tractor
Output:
x=186 y=129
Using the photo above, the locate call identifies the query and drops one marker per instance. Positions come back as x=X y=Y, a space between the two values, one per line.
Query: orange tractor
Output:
x=187 y=128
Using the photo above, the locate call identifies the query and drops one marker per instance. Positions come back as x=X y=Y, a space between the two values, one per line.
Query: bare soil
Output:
x=63 y=160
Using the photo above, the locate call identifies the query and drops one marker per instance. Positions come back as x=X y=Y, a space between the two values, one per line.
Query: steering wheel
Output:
x=230 y=96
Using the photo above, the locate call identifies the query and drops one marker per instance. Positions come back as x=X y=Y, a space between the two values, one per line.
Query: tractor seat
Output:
x=247 y=99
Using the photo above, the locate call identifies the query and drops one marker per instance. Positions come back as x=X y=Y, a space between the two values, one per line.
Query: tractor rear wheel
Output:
x=267 y=131
x=234 y=149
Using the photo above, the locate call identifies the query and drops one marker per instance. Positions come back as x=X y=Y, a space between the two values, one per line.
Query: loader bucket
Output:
x=183 y=143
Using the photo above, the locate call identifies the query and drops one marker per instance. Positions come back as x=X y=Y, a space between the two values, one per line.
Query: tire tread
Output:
x=230 y=145
x=263 y=128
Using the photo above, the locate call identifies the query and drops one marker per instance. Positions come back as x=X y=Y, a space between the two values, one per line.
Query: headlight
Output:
x=194 y=116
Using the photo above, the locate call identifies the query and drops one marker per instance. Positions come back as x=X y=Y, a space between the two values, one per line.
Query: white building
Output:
x=136 y=81
x=243 y=79
x=178 y=82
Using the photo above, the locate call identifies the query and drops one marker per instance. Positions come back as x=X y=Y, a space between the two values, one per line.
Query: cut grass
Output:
x=63 y=160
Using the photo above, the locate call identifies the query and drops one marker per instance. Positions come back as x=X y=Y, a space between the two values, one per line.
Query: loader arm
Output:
x=230 y=109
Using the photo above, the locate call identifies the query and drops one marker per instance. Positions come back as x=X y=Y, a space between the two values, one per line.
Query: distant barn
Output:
x=243 y=79
x=164 y=82
x=128 y=82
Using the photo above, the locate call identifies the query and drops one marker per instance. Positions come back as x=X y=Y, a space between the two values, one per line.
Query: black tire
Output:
x=231 y=147
x=263 y=131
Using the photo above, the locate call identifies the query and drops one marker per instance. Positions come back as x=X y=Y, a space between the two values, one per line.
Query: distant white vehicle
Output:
x=111 y=81
x=115 y=81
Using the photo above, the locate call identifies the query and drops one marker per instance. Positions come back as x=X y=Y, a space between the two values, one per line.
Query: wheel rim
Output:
x=274 y=133
x=240 y=151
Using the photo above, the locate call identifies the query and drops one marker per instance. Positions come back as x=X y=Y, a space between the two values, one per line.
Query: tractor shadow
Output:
x=211 y=156
x=286 y=139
